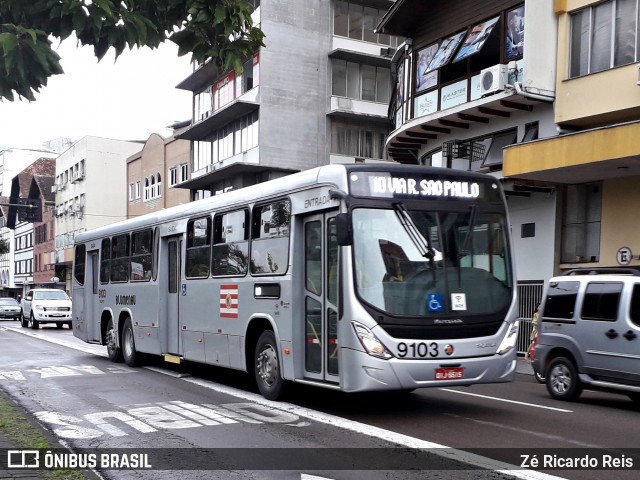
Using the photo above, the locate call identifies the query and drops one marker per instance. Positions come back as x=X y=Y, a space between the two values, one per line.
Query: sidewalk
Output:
x=524 y=366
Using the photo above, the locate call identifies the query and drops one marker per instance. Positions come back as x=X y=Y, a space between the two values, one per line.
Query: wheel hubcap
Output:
x=560 y=379
x=268 y=365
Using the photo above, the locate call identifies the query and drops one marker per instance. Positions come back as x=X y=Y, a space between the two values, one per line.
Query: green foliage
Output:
x=218 y=30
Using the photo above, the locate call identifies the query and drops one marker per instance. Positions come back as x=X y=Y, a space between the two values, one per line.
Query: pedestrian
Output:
x=533 y=337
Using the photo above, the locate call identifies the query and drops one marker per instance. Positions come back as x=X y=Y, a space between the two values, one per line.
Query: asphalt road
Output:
x=210 y=423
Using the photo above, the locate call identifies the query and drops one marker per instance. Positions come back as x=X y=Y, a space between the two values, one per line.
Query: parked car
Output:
x=46 y=305
x=589 y=333
x=9 y=308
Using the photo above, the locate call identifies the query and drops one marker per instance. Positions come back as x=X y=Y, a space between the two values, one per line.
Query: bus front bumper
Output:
x=371 y=373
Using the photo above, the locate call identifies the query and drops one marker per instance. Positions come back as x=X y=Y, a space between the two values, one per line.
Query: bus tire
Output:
x=562 y=379
x=113 y=350
x=131 y=357
x=267 y=367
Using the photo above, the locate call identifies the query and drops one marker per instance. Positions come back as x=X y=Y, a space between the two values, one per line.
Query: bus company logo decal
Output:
x=229 y=301
x=125 y=299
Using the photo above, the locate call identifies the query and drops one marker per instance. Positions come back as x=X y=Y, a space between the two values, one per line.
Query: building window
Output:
x=173 y=176
x=604 y=36
x=184 y=172
x=581 y=223
x=358 y=139
x=530 y=132
x=362 y=82
x=158 y=185
x=137 y=195
x=131 y=191
x=358 y=22
x=146 y=189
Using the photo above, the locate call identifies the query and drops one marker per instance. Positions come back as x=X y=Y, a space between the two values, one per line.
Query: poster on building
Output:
x=476 y=38
x=515 y=33
x=444 y=53
x=424 y=77
x=426 y=104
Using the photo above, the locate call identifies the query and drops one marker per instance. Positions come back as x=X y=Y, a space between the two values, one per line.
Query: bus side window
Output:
x=141 y=255
x=270 y=238
x=105 y=260
x=78 y=264
x=230 y=254
x=198 y=256
x=120 y=258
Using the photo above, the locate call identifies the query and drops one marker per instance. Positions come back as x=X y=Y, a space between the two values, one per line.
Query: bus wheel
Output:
x=129 y=344
x=267 y=369
x=114 y=352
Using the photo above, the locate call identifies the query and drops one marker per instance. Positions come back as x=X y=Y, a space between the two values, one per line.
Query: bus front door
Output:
x=321 y=298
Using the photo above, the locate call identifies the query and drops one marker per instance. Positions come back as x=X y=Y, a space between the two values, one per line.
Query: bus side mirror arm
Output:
x=344 y=234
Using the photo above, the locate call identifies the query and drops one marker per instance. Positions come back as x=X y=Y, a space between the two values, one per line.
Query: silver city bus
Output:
x=350 y=277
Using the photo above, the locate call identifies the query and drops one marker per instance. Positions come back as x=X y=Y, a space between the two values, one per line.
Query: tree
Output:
x=220 y=30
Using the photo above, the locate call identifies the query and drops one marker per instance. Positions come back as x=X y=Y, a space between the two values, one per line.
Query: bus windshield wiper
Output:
x=420 y=241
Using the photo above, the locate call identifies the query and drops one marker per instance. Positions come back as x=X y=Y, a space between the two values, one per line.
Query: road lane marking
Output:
x=361 y=428
x=507 y=401
x=380 y=433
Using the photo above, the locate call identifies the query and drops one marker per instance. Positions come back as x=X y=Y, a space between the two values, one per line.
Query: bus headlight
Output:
x=509 y=340
x=370 y=342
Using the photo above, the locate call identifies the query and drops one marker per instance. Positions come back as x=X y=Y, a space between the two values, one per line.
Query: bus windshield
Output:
x=432 y=263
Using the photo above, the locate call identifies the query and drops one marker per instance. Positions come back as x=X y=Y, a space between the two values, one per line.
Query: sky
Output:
x=128 y=99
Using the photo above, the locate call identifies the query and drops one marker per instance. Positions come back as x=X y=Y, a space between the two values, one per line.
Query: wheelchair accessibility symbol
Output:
x=434 y=302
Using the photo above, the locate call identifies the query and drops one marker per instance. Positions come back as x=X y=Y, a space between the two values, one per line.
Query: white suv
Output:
x=46 y=305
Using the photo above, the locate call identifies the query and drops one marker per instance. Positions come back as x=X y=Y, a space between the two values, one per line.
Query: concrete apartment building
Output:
x=317 y=93
x=91 y=191
x=154 y=172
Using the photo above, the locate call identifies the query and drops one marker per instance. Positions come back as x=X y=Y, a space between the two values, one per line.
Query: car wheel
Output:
x=562 y=380
x=34 y=323
x=267 y=367
x=539 y=377
x=113 y=350
x=25 y=322
x=131 y=357
x=59 y=325
x=70 y=325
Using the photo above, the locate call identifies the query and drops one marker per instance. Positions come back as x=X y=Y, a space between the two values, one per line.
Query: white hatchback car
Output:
x=46 y=305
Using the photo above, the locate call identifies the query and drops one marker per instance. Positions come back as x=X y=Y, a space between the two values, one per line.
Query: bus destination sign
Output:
x=388 y=185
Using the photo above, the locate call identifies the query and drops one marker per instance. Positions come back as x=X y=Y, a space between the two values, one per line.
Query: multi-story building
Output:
x=44 y=233
x=595 y=163
x=467 y=86
x=90 y=192
x=154 y=172
x=12 y=161
x=23 y=248
x=317 y=93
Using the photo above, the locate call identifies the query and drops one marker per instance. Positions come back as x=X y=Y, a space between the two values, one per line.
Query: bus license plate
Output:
x=449 y=373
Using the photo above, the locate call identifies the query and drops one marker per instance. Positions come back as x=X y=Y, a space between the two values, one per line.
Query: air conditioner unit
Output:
x=54 y=188
x=77 y=208
x=387 y=52
x=62 y=186
x=493 y=79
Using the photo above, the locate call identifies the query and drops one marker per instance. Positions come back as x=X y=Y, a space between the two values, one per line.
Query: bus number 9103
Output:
x=417 y=350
